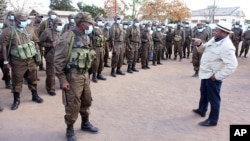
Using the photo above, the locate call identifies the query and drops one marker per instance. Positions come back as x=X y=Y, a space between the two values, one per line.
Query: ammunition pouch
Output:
x=99 y=41
x=177 y=38
x=24 y=51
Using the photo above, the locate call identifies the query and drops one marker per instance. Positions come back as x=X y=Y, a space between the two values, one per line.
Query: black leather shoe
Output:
x=144 y=67
x=52 y=93
x=37 y=99
x=8 y=86
x=89 y=127
x=94 y=79
x=15 y=105
x=199 y=113
x=100 y=77
x=106 y=65
x=159 y=63
x=207 y=123
x=147 y=67
x=118 y=71
x=113 y=74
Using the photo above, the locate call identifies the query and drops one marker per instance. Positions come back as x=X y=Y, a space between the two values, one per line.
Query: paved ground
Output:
x=152 y=105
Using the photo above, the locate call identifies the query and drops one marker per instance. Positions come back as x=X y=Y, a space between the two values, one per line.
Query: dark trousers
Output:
x=210 y=93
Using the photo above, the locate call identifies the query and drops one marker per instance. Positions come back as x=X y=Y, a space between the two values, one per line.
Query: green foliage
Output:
x=64 y=5
x=92 y=9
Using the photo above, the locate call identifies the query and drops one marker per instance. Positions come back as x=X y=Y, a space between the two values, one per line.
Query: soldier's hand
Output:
x=6 y=67
x=197 y=41
x=65 y=86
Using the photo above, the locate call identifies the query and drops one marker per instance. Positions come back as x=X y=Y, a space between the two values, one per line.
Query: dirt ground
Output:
x=151 y=105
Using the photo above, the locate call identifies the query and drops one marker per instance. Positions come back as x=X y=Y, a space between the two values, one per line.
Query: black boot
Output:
x=134 y=69
x=8 y=85
x=245 y=55
x=129 y=70
x=87 y=126
x=16 y=102
x=100 y=76
x=175 y=57
x=94 y=78
x=169 y=57
x=195 y=74
x=118 y=71
x=70 y=134
x=35 y=97
x=106 y=65
x=113 y=72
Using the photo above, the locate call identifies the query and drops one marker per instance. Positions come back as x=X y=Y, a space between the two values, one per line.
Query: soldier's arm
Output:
x=41 y=27
x=43 y=39
x=5 y=39
x=60 y=58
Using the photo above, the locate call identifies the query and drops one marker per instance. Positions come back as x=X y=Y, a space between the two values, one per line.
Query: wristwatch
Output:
x=5 y=62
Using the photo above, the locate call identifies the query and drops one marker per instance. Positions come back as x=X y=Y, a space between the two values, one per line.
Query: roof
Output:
x=228 y=11
x=45 y=12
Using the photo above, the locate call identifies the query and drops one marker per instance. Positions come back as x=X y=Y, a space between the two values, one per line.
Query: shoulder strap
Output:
x=11 y=38
x=71 y=45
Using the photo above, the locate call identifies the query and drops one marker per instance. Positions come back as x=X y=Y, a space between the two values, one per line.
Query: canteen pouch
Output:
x=20 y=52
x=27 y=51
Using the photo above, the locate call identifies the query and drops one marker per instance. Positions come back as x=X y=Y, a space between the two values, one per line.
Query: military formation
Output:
x=77 y=53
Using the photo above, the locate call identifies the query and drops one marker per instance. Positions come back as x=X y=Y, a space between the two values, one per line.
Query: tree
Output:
x=62 y=5
x=161 y=10
x=135 y=4
x=3 y=6
x=92 y=9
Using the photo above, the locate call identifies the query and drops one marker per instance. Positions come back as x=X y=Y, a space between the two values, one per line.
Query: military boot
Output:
x=70 y=134
x=245 y=55
x=94 y=78
x=113 y=72
x=118 y=71
x=8 y=85
x=195 y=74
x=35 y=97
x=134 y=69
x=169 y=57
x=87 y=126
x=129 y=70
x=175 y=57
x=16 y=102
x=100 y=76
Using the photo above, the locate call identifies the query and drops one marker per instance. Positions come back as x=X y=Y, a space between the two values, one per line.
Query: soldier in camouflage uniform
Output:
x=246 y=42
x=124 y=48
x=147 y=43
x=48 y=39
x=179 y=39
x=202 y=34
x=20 y=46
x=44 y=25
x=236 y=36
x=117 y=39
x=98 y=41
x=71 y=25
x=73 y=58
x=107 y=43
x=133 y=40
x=158 y=44
x=169 y=41
x=187 y=43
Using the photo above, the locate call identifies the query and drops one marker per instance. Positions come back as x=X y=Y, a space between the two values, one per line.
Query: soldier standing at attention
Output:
x=98 y=41
x=71 y=25
x=246 y=42
x=169 y=41
x=187 y=43
x=146 y=40
x=107 y=44
x=133 y=40
x=20 y=47
x=236 y=36
x=44 y=25
x=73 y=58
x=48 y=39
x=179 y=39
x=158 y=44
x=116 y=37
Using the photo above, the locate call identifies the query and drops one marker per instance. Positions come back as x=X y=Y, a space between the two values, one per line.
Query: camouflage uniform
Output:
x=146 y=40
x=246 y=42
x=169 y=41
x=158 y=42
x=107 y=44
x=44 y=25
x=98 y=41
x=187 y=43
x=236 y=37
x=179 y=39
x=117 y=39
x=202 y=34
x=48 y=39
x=133 y=40
x=16 y=40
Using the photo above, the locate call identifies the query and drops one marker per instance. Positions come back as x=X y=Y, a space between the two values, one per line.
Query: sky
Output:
x=192 y=4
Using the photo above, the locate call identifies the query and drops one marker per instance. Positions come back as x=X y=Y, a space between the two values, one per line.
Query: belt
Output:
x=134 y=42
x=79 y=71
x=16 y=58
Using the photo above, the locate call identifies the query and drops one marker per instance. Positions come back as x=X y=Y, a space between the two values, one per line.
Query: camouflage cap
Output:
x=57 y=20
x=98 y=18
x=84 y=17
x=21 y=17
x=51 y=12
